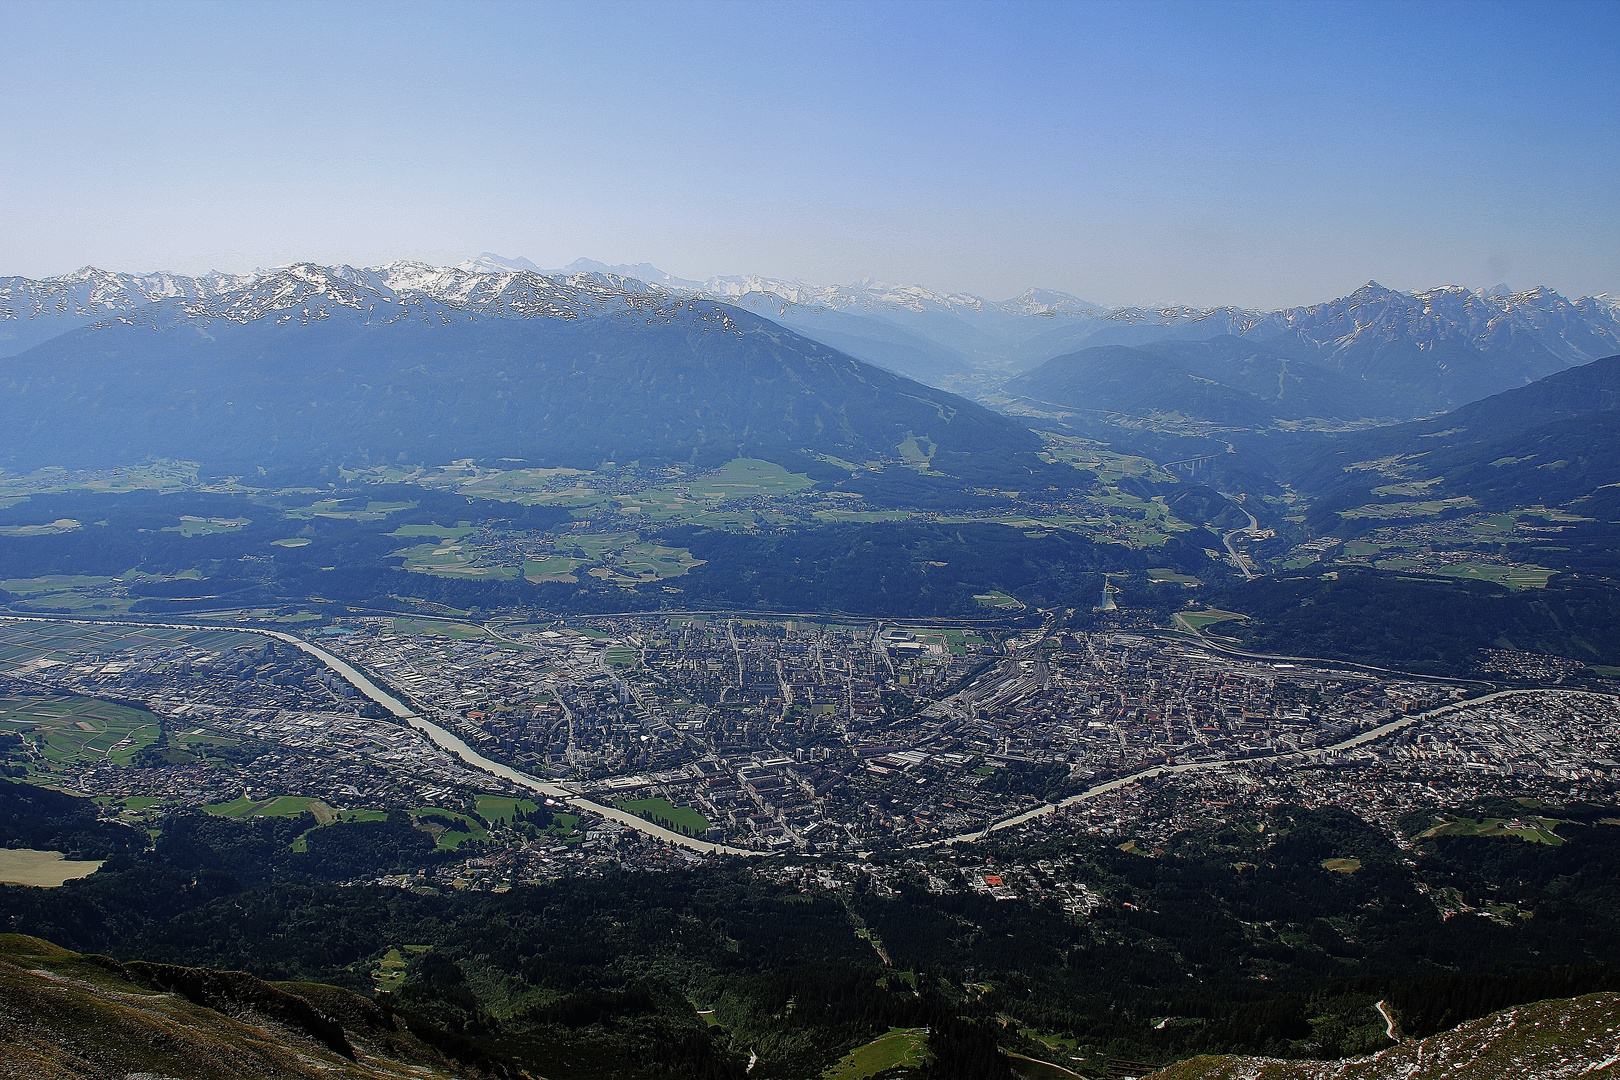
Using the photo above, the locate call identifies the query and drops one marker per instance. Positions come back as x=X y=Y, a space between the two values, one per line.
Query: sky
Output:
x=1208 y=153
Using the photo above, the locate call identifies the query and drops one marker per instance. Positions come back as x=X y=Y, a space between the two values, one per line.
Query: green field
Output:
x=80 y=730
x=1514 y=577
x=1166 y=574
x=51 y=583
x=1108 y=467
x=1342 y=866
x=552 y=568
x=1398 y=510
x=196 y=526
x=621 y=558
x=458 y=631
x=999 y=600
x=241 y=808
x=901 y=1048
x=452 y=560
x=81 y=594
x=663 y=812
x=334 y=508
x=390 y=970
x=50 y=528
x=498 y=809
x=1535 y=830
x=436 y=821
x=158 y=476
x=562 y=828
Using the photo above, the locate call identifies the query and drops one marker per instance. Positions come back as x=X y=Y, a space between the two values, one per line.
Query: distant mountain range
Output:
x=1377 y=353
x=315 y=365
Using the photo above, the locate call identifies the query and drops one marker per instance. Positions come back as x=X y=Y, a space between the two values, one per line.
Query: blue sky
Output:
x=1202 y=153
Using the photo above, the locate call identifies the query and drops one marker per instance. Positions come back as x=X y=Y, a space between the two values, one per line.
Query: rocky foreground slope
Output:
x=1562 y=1039
x=63 y=1015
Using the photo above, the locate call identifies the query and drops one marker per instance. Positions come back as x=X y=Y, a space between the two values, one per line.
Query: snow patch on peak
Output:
x=645 y=272
x=1048 y=303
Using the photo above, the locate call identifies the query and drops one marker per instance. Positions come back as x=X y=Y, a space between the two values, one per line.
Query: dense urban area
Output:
x=538 y=750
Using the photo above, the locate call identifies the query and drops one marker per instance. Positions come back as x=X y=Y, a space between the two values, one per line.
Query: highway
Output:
x=1240 y=560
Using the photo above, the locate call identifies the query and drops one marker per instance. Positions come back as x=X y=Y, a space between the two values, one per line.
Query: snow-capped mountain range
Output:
x=1480 y=341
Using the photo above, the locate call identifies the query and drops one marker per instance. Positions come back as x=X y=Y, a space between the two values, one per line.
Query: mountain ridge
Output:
x=319 y=365
x=1432 y=350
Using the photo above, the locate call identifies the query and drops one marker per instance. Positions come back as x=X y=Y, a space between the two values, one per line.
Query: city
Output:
x=661 y=741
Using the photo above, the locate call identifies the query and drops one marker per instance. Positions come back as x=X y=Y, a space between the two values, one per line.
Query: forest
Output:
x=1235 y=938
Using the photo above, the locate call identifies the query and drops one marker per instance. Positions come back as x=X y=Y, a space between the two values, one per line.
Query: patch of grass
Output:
x=999 y=600
x=242 y=807
x=458 y=631
x=292 y=542
x=41 y=869
x=1536 y=830
x=1166 y=574
x=1342 y=866
x=499 y=809
x=442 y=825
x=53 y=583
x=335 y=508
x=293 y=805
x=901 y=1048
x=1107 y=466
x=196 y=526
x=25 y=642
x=620 y=558
x=564 y=827
x=1399 y=510
x=49 y=528
x=389 y=973
x=740 y=478
x=663 y=812
x=552 y=568
x=1516 y=577
x=452 y=560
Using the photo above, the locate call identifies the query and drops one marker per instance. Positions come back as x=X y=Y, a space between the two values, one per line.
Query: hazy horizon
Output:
x=629 y=267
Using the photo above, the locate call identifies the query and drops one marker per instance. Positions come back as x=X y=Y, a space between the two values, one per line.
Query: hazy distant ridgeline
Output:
x=311 y=368
x=1396 y=354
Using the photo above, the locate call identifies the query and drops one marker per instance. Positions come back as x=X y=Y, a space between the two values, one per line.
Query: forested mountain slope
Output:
x=1550 y=443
